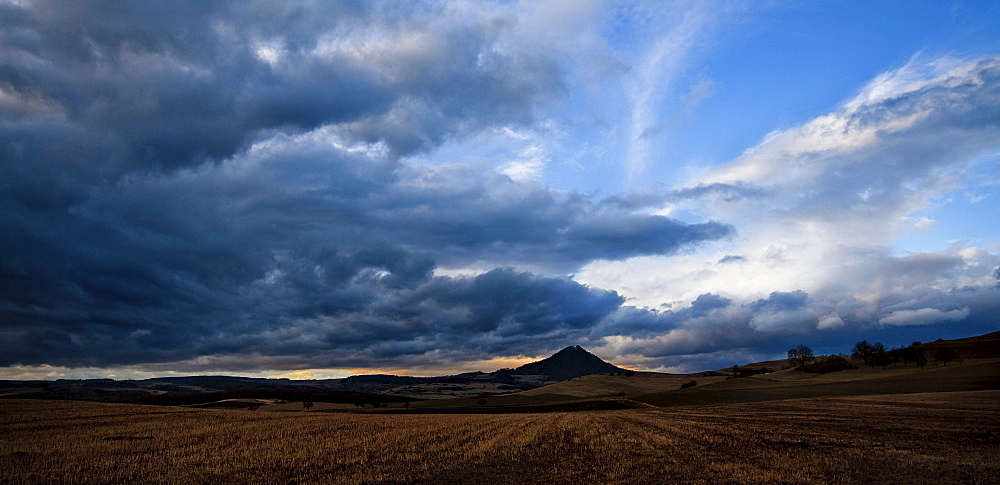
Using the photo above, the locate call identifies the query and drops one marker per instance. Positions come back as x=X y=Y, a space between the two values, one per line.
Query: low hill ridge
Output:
x=573 y=361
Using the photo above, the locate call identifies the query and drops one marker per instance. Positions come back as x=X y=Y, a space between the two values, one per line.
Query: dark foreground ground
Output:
x=914 y=438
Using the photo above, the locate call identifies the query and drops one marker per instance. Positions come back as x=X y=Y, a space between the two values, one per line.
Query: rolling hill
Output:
x=568 y=363
x=976 y=367
x=571 y=379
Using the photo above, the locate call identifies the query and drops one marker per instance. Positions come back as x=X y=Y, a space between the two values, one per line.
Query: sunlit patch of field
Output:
x=914 y=438
x=595 y=386
x=603 y=385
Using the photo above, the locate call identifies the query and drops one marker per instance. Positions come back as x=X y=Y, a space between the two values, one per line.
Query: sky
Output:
x=319 y=189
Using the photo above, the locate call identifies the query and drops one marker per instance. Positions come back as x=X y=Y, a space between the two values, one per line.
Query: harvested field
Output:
x=914 y=438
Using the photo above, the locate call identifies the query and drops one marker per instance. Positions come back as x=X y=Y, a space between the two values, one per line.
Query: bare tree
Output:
x=879 y=356
x=864 y=351
x=800 y=356
x=871 y=354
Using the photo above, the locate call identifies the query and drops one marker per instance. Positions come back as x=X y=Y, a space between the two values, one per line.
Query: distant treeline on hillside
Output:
x=194 y=397
x=338 y=397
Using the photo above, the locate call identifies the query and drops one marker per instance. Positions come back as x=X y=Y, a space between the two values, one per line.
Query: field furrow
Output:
x=917 y=438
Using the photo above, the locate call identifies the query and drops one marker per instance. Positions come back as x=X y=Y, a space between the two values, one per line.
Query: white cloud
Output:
x=829 y=321
x=781 y=320
x=271 y=52
x=702 y=88
x=923 y=316
x=529 y=165
x=923 y=224
x=835 y=192
x=974 y=198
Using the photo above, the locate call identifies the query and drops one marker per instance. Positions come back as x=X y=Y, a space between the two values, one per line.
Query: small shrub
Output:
x=749 y=371
x=826 y=365
x=944 y=356
x=689 y=384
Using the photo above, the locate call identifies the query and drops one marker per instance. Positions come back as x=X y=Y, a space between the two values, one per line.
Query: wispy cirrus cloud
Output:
x=654 y=73
x=829 y=196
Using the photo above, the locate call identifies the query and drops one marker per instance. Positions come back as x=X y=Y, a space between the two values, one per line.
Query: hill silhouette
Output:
x=568 y=363
x=973 y=365
x=985 y=346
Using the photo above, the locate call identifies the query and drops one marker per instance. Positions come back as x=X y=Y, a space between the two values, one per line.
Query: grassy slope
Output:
x=982 y=346
x=603 y=385
x=971 y=375
x=664 y=389
x=596 y=386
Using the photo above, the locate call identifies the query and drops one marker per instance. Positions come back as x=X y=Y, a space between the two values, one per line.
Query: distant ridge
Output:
x=568 y=363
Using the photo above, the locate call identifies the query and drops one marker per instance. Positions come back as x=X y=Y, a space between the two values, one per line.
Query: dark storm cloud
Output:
x=95 y=90
x=297 y=248
x=226 y=184
x=707 y=302
x=782 y=300
x=504 y=304
x=235 y=185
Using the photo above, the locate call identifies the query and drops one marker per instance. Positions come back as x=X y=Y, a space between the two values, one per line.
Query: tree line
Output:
x=872 y=354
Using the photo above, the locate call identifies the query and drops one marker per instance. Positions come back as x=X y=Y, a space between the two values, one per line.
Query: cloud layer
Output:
x=234 y=186
x=203 y=187
x=816 y=208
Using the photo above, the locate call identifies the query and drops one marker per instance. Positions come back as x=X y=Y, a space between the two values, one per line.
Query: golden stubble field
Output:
x=913 y=438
